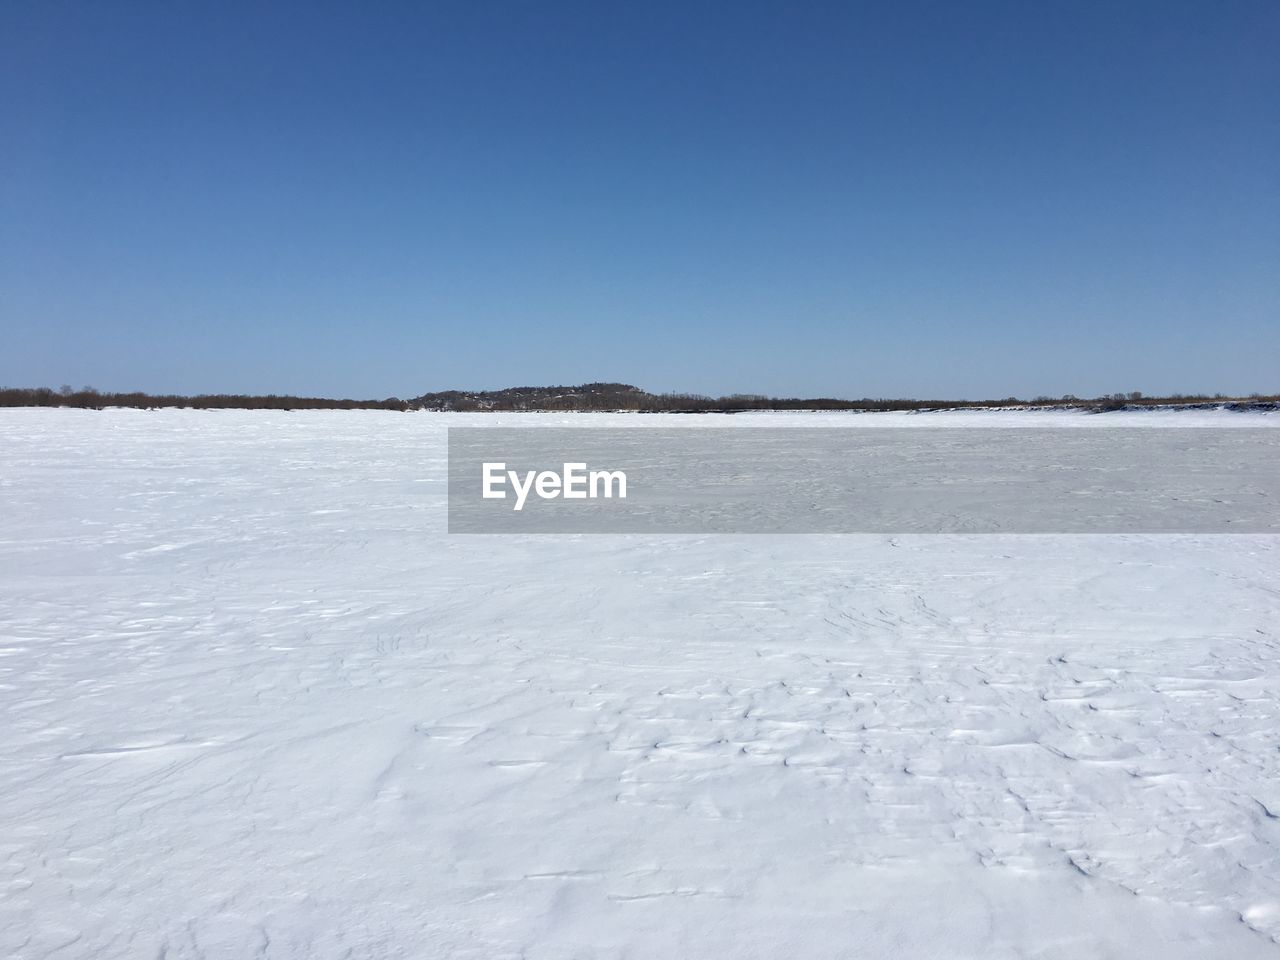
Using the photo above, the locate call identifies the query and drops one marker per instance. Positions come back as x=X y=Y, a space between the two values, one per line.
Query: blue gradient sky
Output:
x=907 y=199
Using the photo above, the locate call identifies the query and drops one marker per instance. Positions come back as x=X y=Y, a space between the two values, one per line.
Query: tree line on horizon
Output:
x=88 y=398
x=590 y=397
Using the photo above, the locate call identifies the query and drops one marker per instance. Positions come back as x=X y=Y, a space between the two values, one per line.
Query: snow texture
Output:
x=256 y=702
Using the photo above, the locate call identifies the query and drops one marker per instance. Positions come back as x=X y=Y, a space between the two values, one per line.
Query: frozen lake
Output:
x=257 y=702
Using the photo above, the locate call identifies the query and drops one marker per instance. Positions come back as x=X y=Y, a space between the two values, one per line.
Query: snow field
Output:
x=257 y=702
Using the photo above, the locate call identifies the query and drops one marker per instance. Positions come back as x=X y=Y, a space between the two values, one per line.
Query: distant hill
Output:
x=586 y=396
x=626 y=396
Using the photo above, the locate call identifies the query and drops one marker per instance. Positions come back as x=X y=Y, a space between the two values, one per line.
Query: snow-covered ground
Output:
x=256 y=702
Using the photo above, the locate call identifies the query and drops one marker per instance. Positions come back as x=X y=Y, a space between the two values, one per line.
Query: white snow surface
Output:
x=257 y=702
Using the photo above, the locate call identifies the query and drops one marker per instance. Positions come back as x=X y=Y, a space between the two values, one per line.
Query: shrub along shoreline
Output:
x=603 y=397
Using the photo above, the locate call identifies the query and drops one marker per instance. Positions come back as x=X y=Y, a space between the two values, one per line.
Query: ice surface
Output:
x=256 y=702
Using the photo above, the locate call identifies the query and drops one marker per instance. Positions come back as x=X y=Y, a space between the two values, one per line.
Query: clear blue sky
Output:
x=901 y=199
